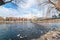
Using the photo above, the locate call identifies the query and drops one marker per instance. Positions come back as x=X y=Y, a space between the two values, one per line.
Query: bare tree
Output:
x=56 y=6
x=2 y=2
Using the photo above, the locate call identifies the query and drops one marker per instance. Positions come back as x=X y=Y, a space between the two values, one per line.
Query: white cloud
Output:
x=27 y=4
x=5 y=12
x=24 y=10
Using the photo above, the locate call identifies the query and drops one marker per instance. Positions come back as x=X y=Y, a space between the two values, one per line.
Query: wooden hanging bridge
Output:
x=47 y=20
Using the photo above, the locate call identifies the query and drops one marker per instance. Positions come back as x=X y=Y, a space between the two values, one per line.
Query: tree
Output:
x=3 y=2
x=56 y=5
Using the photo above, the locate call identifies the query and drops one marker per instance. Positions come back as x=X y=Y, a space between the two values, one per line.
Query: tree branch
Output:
x=9 y=1
x=51 y=2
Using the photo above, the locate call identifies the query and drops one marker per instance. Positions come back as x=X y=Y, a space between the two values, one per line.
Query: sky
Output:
x=24 y=8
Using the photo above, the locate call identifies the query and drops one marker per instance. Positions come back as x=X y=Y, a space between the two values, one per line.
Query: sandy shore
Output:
x=52 y=35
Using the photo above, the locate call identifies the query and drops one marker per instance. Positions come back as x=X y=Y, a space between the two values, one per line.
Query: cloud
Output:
x=5 y=12
x=27 y=4
x=26 y=9
x=9 y=12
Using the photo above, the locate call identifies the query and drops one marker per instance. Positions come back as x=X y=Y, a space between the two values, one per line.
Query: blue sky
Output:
x=10 y=5
x=27 y=8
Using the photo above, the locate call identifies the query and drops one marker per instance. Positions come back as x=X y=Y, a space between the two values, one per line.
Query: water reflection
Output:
x=24 y=29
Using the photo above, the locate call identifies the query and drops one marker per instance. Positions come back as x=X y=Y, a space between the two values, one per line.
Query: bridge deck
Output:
x=48 y=20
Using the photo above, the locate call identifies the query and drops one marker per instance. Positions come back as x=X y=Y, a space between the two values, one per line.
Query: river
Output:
x=24 y=29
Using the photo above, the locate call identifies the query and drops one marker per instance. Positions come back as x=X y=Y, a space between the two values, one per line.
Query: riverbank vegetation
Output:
x=13 y=19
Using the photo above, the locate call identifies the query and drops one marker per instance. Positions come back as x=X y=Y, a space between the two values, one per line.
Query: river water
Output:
x=25 y=29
